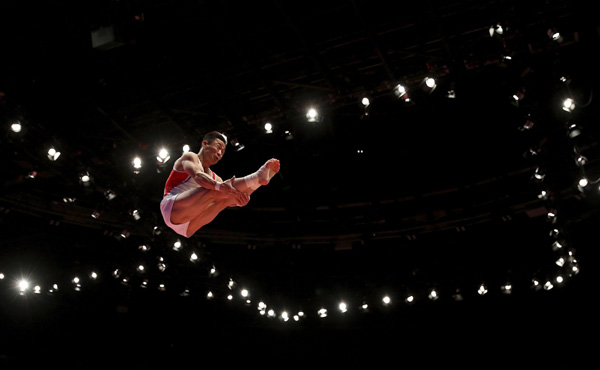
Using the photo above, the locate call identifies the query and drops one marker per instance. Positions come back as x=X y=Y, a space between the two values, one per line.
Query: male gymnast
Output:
x=194 y=195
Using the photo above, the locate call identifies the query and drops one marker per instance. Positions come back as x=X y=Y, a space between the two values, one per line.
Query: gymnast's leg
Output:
x=248 y=184
x=200 y=206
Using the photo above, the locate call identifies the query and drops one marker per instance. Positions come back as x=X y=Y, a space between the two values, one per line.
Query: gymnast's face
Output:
x=214 y=150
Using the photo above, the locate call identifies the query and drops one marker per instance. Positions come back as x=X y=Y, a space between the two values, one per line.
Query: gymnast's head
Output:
x=214 y=144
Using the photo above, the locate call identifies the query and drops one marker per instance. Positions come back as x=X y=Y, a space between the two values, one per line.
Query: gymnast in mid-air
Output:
x=194 y=195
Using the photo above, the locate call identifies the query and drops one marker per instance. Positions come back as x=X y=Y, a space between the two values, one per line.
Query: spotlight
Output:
x=322 y=312
x=135 y=214
x=433 y=295
x=109 y=194
x=568 y=105
x=137 y=165
x=581 y=161
x=573 y=131
x=53 y=154
x=539 y=175
x=16 y=127
x=312 y=115
x=23 y=286
x=496 y=30
x=84 y=178
x=366 y=105
x=163 y=156
x=268 y=128
x=430 y=82
x=194 y=257
x=554 y=35
x=237 y=145
x=400 y=91
x=186 y=148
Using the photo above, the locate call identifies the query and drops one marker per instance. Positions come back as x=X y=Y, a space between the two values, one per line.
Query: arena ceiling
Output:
x=175 y=69
x=438 y=190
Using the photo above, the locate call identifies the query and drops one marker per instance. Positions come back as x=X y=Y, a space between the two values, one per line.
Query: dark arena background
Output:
x=437 y=207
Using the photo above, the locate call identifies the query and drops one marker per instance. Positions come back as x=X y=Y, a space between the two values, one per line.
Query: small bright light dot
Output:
x=75 y=280
x=209 y=295
x=268 y=127
x=53 y=154
x=244 y=293
x=482 y=290
x=430 y=82
x=94 y=275
x=137 y=163
x=37 y=289
x=140 y=268
x=322 y=312
x=230 y=297
x=194 y=257
x=285 y=316
x=186 y=148
x=343 y=307
x=568 y=105
x=365 y=102
x=312 y=115
x=16 y=127
x=386 y=300
x=410 y=299
x=271 y=313
x=559 y=279
x=177 y=245
x=1 y=276
x=399 y=90
x=583 y=182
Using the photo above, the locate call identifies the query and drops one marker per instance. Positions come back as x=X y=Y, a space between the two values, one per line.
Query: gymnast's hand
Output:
x=237 y=197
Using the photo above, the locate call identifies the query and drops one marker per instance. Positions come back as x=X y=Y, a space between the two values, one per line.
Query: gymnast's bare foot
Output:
x=267 y=171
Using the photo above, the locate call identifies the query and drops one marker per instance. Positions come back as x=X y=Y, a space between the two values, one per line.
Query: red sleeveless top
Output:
x=177 y=178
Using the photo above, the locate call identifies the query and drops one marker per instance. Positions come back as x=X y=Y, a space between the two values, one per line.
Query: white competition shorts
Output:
x=165 y=208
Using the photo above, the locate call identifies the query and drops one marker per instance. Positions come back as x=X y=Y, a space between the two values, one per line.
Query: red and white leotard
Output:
x=179 y=181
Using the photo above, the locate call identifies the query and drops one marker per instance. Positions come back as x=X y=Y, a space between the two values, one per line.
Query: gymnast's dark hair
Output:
x=215 y=135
